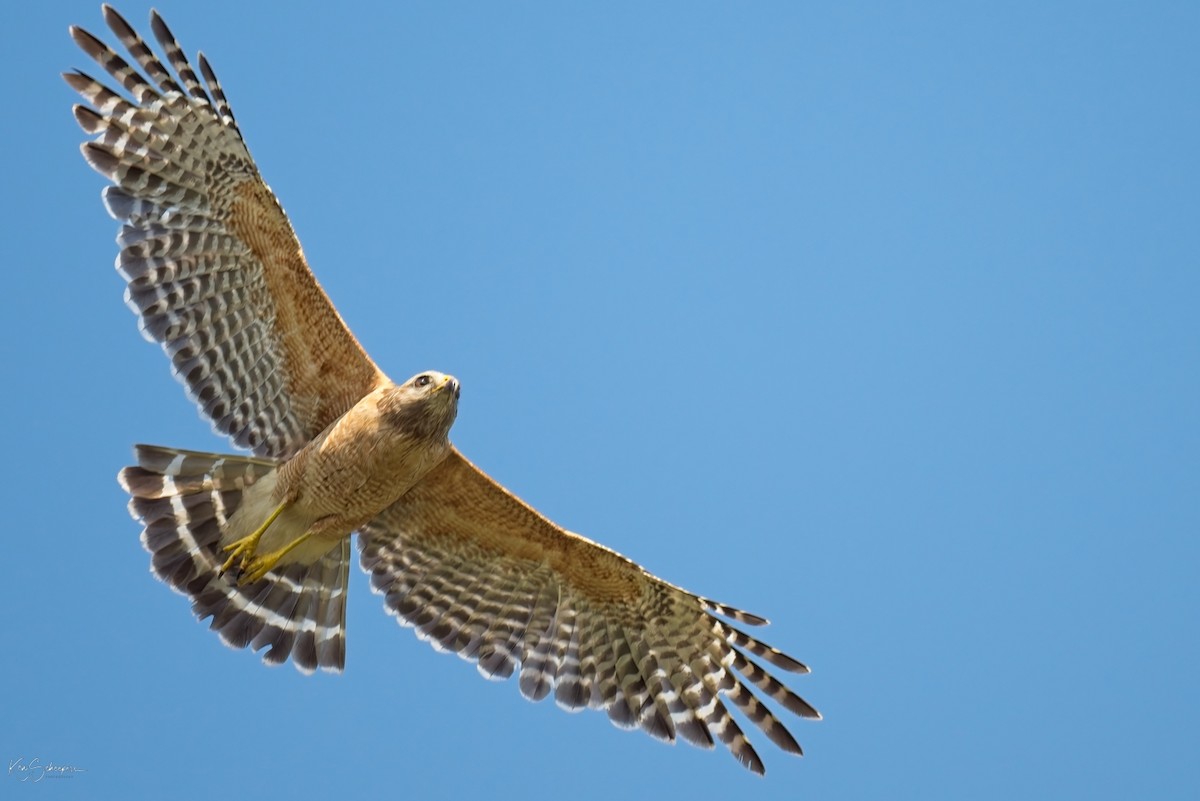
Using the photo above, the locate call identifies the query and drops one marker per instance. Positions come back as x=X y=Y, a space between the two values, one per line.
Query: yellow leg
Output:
x=245 y=547
x=257 y=567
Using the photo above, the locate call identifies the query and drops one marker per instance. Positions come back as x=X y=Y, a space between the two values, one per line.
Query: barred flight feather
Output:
x=198 y=249
x=183 y=499
x=658 y=659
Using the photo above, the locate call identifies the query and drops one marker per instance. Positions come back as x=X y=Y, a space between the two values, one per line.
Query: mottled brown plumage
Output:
x=260 y=543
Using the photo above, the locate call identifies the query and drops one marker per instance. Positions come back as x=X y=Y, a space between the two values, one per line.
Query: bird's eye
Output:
x=422 y=381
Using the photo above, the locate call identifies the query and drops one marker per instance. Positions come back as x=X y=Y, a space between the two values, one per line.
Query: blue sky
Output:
x=877 y=320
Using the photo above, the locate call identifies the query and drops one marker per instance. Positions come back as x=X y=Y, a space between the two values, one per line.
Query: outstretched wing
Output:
x=213 y=267
x=477 y=572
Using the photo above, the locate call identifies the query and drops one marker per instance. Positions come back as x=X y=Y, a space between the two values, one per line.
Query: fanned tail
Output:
x=185 y=499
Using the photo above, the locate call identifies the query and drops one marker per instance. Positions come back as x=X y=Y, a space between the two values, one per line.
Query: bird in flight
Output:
x=260 y=543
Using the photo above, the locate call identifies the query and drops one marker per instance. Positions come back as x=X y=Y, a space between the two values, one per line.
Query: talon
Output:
x=243 y=548
x=258 y=566
x=254 y=570
x=246 y=548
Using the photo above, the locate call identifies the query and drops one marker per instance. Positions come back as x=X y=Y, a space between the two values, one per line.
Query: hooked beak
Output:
x=451 y=383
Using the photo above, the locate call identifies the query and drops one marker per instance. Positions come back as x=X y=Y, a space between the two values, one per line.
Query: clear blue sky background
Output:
x=880 y=321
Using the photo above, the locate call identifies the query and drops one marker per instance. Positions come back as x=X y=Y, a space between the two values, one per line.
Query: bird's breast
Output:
x=355 y=470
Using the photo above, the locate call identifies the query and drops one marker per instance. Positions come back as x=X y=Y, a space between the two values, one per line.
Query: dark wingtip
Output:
x=77 y=79
x=786 y=740
x=88 y=120
x=99 y=158
x=751 y=761
x=89 y=43
x=112 y=17
x=159 y=26
x=786 y=662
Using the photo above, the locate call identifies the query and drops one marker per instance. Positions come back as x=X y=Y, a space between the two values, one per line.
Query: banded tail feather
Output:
x=184 y=499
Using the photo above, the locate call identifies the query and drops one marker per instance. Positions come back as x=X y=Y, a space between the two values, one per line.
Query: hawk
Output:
x=260 y=543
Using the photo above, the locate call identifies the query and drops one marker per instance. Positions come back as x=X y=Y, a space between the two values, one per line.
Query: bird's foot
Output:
x=244 y=551
x=258 y=565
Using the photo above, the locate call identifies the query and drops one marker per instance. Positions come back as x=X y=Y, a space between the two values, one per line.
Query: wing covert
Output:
x=213 y=267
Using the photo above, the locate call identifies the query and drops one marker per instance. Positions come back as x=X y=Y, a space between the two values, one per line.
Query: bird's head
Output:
x=424 y=405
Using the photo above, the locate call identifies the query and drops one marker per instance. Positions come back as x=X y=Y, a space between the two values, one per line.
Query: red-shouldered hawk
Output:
x=261 y=543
